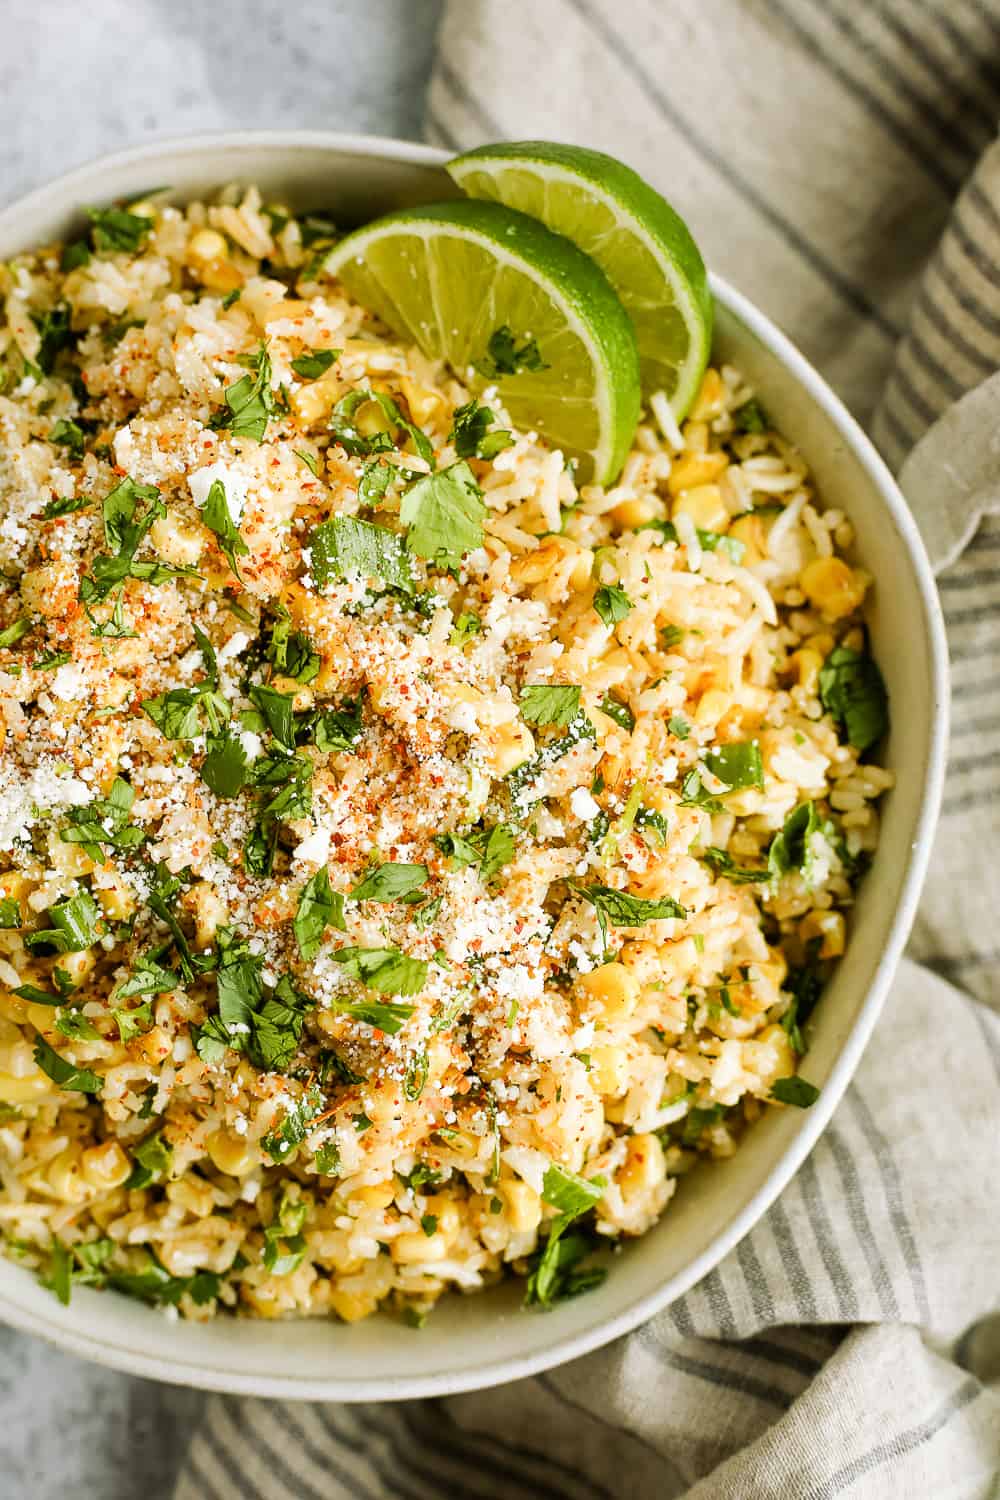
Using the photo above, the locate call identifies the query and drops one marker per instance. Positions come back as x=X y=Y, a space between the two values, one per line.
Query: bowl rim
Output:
x=132 y=1359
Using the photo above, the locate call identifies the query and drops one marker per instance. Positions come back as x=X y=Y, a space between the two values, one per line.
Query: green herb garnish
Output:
x=852 y=691
x=612 y=604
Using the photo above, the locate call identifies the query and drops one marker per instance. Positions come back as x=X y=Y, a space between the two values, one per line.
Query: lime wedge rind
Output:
x=640 y=242
x=448 y=275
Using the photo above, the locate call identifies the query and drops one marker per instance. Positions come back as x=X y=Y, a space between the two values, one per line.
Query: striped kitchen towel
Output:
x=836 y=159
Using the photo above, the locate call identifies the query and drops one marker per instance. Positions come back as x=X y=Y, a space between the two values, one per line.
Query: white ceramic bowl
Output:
x=486 y=1339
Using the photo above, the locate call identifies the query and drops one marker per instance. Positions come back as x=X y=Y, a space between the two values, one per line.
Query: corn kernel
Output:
x=377 y=1196
x=507 y=746
x=78 y=965
x=206 y=245
x=177 y=542
x=445 y=1210
x=832 y=587
x=805 y=665
x=614 y=989
x=230 y=1153
x=64 y=1177
x=115 y=899
x=422 y=401
x=68 y=859
x=583 y=569
x=414 y=1249
x=822 y=643
x=312 y=403
x=609 y=1070
x=522 y=1204
x=351 y=1307
x=695 y=469
x=770 y=1055
x=644 y=1167
x=105 y=1166
x=23 y=1090
x=751 y=531
x=704 y=506
x=829 y=927
x=710 y=399
x=152 y=1047
x=631 y=513
x=221 y=276
x=712 y=705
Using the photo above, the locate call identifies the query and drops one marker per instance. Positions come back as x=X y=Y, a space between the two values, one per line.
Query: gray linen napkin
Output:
x=847 y=1347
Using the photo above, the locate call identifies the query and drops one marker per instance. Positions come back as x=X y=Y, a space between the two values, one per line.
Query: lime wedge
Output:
x=642 y=246
x=508 y=304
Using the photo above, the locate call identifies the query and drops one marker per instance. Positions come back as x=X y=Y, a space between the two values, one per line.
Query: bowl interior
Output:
x=487 y=1338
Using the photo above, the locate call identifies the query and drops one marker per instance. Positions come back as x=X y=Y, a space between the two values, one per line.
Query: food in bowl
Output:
x=413 y=862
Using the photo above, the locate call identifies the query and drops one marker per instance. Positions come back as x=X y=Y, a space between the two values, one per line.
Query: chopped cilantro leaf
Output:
x=489 y=848
x=152 y=1161
x=104 y=823
x=384 y=969
x=750 y=417
x=375 y=480
x=504 y=357
x=319 y=907
x=471 y=435
x=133 y=1023
x=309 y=459
x=10 y=913
x=444 y=513
x=344 y=547
x=722 y=863
x=390 y=882
x=65 y=1074
x=852 y=691
x=623 y=910
x=549 y=705
x=70 y=1023
x=224 y=769
x=15 y=632
x=416 y=1074
x=327 y=1159
x=387 y=1018
x=694 y=794
x=49 y=660
x=698 y=1120
x=66 y=434
x=619 y=711
x=569 y=1193
x=338 y=729
x=796 y=1091
x=76 y=926
x=739 y=765
x=218 y=518
x=292 y=654
x=295 y=1125
x=791 y=848
x=277 y=710
x=612 y=604
x=466 y=626
x=554 y=1276
x=311 y=366
x=250 y=401
x=56 y=335
x=653 y=827
x=118 y=229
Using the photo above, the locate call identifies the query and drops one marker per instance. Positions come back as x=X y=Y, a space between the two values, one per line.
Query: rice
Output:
x=360 y=931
